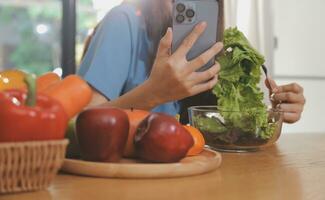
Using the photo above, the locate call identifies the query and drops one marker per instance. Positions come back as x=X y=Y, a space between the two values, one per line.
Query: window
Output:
x=31 y=32
x=30 y=35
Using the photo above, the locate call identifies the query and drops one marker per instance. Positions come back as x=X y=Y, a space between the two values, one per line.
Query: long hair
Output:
x=157 y=15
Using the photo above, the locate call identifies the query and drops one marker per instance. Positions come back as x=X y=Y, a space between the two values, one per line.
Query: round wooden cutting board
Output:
x=207 y=161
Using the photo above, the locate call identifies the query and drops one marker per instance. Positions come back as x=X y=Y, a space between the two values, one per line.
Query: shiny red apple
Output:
x=102 y=134
x=161 y=138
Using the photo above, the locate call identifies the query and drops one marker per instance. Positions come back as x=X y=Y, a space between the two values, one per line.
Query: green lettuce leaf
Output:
x=238 y=90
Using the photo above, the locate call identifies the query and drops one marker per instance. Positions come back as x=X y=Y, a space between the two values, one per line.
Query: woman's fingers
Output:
x=200 y=77
x=204 y=86
x=291 y=117
x=289 y=97
x=293 y=87
x=292 y=99
x=291 y=112
x=270 y=84
x=190 y=40
x=291 y=108
x=204 y=58
x=165 y=44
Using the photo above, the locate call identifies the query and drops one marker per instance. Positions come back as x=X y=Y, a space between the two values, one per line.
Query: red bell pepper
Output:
x=30 y=117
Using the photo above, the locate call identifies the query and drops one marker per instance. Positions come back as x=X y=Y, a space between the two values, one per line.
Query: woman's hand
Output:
x=291 y=100
x=173 y=77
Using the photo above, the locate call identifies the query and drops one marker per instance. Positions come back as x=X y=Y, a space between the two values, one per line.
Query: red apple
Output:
x=161 y=138
x=102 y=134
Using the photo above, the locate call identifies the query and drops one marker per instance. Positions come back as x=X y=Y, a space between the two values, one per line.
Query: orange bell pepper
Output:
x=12 y=79
x=46 y=81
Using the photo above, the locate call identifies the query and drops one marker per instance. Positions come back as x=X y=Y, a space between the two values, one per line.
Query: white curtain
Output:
x=254 y=18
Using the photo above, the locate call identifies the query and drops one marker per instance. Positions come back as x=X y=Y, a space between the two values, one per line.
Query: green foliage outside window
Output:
x=34 y=52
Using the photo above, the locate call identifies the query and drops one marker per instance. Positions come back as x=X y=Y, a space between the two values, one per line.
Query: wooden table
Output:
x=293 y=169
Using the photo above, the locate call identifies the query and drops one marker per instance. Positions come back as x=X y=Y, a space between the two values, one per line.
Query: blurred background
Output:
x=45 y=35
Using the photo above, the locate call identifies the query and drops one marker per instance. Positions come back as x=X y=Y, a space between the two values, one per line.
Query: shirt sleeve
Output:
x=107 y=62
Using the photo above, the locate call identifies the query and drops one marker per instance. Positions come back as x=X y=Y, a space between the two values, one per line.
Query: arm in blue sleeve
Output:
x=107 y=62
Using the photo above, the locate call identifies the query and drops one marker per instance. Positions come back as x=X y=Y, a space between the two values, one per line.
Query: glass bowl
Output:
x=237 y=131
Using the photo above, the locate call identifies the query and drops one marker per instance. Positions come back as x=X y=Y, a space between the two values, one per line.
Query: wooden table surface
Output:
x=293 y=169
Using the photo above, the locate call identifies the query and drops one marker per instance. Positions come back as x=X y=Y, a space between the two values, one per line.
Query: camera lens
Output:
x=180 y=7
x=190 y=13
x=180 y=18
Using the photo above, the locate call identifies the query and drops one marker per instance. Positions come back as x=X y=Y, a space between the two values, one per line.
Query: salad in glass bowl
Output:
x=241 y=119
x=234 y=130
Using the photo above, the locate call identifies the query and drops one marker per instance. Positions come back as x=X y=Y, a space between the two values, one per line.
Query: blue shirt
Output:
x=117 y=57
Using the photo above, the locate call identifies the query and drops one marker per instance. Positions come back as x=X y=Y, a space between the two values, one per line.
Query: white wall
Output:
x=299 y=26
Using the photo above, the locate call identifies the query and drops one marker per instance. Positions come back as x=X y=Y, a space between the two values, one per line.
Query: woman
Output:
x=129 y=63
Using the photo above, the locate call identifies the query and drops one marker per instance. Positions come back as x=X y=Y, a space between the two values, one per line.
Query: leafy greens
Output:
x=240 y=100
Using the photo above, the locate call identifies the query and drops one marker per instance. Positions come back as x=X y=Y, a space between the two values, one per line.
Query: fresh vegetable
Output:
x=198 y=139
x=240 y=100
x=102 y=134
x=29 y=117
x=72 y=92
x=47 y=80
x=161 y=138
x=135 y=117
x=12 y=79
